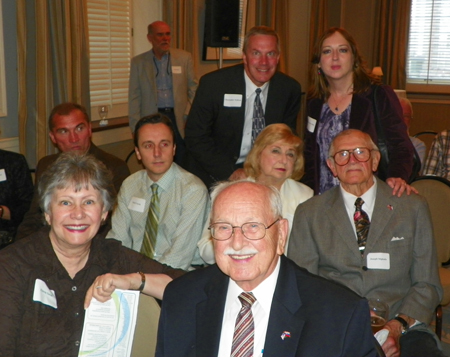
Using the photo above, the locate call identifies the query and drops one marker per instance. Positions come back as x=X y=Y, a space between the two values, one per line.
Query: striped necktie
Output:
x=362 y=224
x=258 y=123
x=151 y=226
x=244 y=329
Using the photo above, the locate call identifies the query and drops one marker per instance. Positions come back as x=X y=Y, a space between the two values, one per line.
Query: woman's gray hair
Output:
x=274 y=198
x=77 y=171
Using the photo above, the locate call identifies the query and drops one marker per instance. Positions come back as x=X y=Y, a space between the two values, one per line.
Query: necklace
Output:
x=337 y=104
x=336 y=108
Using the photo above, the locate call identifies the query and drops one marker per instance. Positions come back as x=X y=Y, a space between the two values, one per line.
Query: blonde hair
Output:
x=271 y=134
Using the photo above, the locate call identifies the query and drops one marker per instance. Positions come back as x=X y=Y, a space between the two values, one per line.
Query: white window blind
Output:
x=429 y=42
x=109 y=23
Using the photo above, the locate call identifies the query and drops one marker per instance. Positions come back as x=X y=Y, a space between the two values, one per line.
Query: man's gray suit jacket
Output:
x=323 y=241
x=142 y=92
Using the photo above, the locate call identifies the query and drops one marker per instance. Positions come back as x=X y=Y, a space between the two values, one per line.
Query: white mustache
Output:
x=231 y=251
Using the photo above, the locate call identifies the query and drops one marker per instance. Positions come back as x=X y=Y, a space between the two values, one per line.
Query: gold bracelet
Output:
x=143 y=281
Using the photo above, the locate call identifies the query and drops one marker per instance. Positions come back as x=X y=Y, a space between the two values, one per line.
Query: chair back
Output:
x=427 y=137
x=144 y=343
x=133 y=163
x=437 y=192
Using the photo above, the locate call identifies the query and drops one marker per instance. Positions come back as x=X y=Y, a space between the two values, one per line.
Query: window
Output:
x=429 y=43
x=109 y=23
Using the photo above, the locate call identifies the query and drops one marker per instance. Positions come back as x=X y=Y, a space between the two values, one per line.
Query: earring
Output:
x=319 y=71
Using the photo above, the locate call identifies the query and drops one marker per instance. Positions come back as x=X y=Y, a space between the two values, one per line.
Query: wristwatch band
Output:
x=143 y=280
x=405 y=326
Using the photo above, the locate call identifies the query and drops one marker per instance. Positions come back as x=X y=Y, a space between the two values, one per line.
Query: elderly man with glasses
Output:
x=378 y=244
x=255 y=301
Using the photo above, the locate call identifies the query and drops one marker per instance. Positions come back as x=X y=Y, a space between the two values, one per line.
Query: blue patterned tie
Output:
x=244 y=329
x=151 y=226
x=258 y=116
x=362 y=224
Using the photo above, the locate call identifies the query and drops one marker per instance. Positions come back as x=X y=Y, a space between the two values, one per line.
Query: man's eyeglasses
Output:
x=342 y=157
x=250 y=230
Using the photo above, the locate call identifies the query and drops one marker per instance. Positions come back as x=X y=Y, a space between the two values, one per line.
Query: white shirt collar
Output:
x=368 y=197
x=250 y=87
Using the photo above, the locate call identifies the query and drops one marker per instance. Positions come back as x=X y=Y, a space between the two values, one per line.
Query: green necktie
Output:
x=151 y=226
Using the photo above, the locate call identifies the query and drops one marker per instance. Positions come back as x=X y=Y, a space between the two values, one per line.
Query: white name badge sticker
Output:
x=2 y=175
x=232 y=100
x=311 y=125
x=43 y=294
x=176 y=69
x=137 y=204
x=378 y=261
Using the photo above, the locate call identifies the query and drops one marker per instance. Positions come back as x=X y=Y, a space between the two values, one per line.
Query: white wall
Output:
x=144 y=13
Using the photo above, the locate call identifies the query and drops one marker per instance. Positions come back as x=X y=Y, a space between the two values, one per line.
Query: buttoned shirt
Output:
x=250 y=96
x=260 y=310
x=163 y=81
x=33 y=328
x=438 y=160
x=184 y=208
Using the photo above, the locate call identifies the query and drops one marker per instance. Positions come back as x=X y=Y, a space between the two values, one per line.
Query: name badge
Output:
x=2 y=175
x=43 y=294
x=311 y=124
x=176 y=69
x=378 y=261
x=232 y=100
x=137 y=204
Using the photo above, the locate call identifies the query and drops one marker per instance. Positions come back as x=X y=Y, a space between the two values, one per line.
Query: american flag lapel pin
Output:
x=285 y=334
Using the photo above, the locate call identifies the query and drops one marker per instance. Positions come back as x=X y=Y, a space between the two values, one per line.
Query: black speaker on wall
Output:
x=222 y=23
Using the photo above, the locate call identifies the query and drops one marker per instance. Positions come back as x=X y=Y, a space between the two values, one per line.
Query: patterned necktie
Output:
x=151 y=226
x=244 y=328
x=362 y=224
x=258 y=123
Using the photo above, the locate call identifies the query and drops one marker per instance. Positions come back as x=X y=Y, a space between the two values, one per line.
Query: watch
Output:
x=405 y=326
x=142 y=281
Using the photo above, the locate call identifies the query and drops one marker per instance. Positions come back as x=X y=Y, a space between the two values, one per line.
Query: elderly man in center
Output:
x=232 y=106
x=255 y=301
x=162 y=209
x=379 y=245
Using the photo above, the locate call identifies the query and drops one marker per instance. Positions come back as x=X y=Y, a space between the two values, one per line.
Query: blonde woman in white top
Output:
x=276 y=159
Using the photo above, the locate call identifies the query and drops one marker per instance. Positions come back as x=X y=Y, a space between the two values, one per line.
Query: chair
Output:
x=427 y=137
x=437 y=192
x=133 y=163
x=144 y=343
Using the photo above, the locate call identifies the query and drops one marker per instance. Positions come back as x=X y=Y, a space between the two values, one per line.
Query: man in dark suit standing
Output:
x=293 y=312
x=379 y=245
x=219 y=129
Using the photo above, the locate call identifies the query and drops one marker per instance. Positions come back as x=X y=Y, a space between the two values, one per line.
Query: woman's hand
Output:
x=399 y=186
x=238 y=174
x=104 y=285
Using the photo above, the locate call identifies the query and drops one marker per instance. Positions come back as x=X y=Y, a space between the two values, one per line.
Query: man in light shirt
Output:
x=183 y=199
x=294 y=311
x=394 y=260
